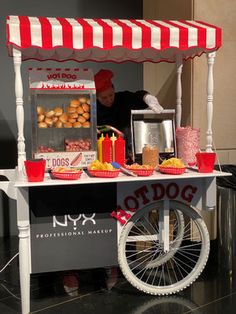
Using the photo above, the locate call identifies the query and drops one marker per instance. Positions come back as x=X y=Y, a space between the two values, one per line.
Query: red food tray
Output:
x=141 y=172
x=67 y=175
x=104 y=173
x=172 y=170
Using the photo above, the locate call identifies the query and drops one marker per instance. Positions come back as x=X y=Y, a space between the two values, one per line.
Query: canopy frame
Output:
x=98 y=39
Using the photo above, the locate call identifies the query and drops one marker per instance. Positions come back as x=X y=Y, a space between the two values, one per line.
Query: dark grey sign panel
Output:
x=71 y=227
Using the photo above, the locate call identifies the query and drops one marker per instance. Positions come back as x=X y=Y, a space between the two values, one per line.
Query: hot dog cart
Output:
x=158 y=252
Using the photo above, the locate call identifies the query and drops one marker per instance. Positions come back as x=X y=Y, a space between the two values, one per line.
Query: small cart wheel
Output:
x=161 y=265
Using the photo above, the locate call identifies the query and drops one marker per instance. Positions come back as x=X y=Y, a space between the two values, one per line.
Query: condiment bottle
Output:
x=113 y=138
x=106 y=149
x=120 y=151
x=150 y=155
x=99 y=146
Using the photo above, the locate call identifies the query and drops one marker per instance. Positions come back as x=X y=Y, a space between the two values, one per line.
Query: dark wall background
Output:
x=127 y=75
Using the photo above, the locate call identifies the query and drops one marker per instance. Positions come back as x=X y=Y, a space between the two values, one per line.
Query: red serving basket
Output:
x=141 y=172
x=172 y=170
x=67 y=175
x=104 y=173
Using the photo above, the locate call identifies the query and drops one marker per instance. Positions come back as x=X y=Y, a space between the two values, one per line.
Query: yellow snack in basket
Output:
x=66 y=169
x=137 y=166
x=173 y=162
x=98 y=165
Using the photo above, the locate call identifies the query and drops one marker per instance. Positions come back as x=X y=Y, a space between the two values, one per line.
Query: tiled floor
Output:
x=214 y=292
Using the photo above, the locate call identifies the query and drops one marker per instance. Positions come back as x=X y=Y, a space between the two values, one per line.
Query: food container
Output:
x=104 y=173
x=172 y=170
x=35 y=170
x=150 y=155
x=188 y=141
x=205 y=161
x=67 y=175
x=63 y=104
x=142 y=172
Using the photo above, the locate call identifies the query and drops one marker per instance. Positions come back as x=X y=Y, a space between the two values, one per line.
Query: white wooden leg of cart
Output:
x=19 y=112
x=24 y=247
x=210 y=89
x=179 y=69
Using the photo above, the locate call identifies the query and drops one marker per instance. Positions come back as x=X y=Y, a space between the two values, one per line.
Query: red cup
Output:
x=205 y=161
x=35 y=169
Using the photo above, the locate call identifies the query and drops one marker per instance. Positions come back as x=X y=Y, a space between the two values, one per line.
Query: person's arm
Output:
x=142 y=99
x=153 y=103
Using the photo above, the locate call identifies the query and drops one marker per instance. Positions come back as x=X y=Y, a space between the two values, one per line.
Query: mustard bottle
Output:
x=99 y=146
x=113 y=138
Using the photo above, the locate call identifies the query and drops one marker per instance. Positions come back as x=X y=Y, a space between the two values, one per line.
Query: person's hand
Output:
x=153 y=103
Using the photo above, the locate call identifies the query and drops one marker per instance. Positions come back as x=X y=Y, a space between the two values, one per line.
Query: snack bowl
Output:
x=104 y=173
x=141 y=172
x=172 y=170
x=67 y=174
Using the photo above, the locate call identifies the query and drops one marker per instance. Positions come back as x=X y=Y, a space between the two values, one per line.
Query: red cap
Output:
x=103 y=80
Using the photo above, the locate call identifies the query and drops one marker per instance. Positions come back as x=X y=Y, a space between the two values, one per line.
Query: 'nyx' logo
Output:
x=68 y=218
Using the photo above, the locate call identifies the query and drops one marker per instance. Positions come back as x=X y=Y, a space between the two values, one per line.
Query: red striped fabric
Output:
x=127 y=34
x=183 y=35
x=201 y=36
x=146 y=34
x=87 y=33
x=46 y=32
x=165 y=34
x=25 y=32
x=107 y=34
x=107 y=29
x=218 y=32
x=66 y=32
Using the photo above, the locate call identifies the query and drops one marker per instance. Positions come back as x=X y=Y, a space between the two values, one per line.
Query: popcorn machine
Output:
x=64 y=116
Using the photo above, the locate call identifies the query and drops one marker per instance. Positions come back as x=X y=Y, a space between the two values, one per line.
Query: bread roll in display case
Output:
x=63 y=106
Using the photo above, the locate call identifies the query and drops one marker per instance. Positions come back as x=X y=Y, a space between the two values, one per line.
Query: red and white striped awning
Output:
x=116 y=40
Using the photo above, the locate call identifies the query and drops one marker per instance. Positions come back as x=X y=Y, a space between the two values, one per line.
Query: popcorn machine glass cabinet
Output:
x=64 y=127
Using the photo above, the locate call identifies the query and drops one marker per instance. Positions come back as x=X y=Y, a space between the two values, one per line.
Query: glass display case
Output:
x=63 y=104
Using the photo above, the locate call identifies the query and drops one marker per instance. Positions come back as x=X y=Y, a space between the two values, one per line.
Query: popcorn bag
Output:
x=188 y=142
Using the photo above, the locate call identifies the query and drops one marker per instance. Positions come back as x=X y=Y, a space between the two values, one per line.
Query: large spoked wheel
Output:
x=162 y=254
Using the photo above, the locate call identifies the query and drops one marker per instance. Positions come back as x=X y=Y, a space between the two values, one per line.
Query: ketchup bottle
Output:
x=106 y=149
x=120 y=151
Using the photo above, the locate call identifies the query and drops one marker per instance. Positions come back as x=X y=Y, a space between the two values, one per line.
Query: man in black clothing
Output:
x=114 y=108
